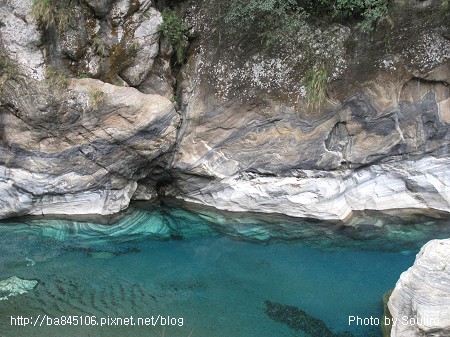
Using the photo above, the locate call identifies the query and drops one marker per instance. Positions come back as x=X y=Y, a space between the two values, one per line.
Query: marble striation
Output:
x=234 y=129
x=423 y=184
x=420 y=301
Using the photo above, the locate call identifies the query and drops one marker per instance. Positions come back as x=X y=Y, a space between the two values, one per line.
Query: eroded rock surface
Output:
x=420 y=301
x=82 y=153
x=244 y=136
x=250 y=141
x=423 y=185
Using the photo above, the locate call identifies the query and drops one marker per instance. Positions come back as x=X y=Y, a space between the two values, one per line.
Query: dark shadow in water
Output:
x=299 y=320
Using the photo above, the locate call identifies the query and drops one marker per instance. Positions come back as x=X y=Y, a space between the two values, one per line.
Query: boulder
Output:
x=420 y=302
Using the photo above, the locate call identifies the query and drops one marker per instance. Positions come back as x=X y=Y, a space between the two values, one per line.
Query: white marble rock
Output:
x=420 y=302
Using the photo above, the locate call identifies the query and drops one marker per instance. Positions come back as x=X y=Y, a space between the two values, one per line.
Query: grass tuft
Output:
x=315 y=82
x=96 y=97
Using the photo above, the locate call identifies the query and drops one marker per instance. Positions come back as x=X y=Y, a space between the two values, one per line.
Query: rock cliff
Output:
x=87 y=119
x=251 y=141
x=419 y=302
x=79 y=145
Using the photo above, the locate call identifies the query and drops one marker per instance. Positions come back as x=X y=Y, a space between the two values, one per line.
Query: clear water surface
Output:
x=214 y=275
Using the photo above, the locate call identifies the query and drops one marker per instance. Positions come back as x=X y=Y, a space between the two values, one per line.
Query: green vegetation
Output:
x=176 y=32
x=276 y=19
x=96 y=97
x=56 y=78
x=84 y=76
x=48 y=13
x=369 y=10
x=43 y=11
x=146 y=15
x=289 y=25
x=315 y=83
x=373 y=12
x=273 y=19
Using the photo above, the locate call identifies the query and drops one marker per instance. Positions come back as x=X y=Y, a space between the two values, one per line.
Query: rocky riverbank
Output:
x=95 y=112
x=419 y=302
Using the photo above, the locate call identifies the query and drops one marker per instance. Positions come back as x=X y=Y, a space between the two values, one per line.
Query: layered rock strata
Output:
x=419 y=304
x=82 y=154
x=241 y=134
x=250 y=141
x=423 y=184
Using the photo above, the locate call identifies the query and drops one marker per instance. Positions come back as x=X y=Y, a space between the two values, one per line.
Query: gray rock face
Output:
x=101 y=7
x=420 y=301
x=21 y=39
x=117 y=45
x=381 y=145
x=82 y=153
x=145 y=39
x=247 y=138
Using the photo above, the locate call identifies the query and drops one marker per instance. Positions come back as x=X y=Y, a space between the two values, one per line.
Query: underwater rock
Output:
x=102 y=255
x=299 y=320
x=420 y=302
x=14 y=286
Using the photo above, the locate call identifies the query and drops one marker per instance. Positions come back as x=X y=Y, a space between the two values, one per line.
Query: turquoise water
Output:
x=211 y=277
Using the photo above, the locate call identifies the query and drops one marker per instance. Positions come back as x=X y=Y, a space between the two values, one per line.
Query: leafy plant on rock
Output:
x=369 y=10
x=278 y=19
x=272 y=19
x=175 y=31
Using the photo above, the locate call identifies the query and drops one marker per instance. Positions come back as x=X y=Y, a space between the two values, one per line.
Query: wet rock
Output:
x=14 y=286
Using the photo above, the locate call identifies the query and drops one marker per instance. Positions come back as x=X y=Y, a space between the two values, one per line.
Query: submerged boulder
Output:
x=15 y=286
